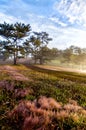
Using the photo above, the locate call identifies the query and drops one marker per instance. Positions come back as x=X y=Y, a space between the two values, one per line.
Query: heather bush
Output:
x=11 y=93
x=43 y=103
x=47 y=114
x=59 y=85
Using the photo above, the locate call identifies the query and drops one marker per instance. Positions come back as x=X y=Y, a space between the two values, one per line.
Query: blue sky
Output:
x=64 y=20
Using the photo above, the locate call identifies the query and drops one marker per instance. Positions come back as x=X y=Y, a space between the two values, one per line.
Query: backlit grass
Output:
x=26 y=102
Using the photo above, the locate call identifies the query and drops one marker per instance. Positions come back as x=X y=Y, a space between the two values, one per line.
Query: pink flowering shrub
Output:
x=9 y=86
x=16 y=90
x=47 y=114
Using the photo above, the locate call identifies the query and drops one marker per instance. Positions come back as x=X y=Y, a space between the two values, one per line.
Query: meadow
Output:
x=40 y=98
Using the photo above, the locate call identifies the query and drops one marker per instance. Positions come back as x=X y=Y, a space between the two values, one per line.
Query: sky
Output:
x=63 y=20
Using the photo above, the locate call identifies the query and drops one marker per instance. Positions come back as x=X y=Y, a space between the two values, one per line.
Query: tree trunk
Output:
x=41 y=61
x=15 y=58
x=35 y=60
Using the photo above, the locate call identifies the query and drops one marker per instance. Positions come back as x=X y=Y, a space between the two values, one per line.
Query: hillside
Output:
x=35 y=98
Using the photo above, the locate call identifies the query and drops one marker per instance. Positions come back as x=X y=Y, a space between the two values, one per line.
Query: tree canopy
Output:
x=19 y=42
x=13 y=35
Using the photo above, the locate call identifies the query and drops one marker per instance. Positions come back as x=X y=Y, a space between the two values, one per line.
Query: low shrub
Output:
x=47 y=114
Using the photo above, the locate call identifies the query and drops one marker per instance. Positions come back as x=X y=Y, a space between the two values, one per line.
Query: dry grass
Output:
x=58 y=68
x=13 y=72
x=42 y=113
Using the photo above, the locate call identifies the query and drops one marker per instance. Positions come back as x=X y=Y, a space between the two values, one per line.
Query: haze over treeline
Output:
x=19 y=41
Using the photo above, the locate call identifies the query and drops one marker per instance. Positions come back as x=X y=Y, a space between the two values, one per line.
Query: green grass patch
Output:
x=61 y=86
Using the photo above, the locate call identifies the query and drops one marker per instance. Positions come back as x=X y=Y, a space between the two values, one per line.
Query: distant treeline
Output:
x=19 y=41
x=72 y=55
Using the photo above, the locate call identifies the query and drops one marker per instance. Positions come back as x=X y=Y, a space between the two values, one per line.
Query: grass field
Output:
x=33 y=95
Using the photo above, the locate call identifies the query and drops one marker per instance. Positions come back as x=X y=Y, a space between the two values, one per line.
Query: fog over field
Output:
x=42 y=64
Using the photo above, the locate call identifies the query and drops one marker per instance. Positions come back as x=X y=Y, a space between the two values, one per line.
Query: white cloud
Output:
x=63 y=35
x=9 y=18
x=56 y=20
x=74 y=10
x=4 y=17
